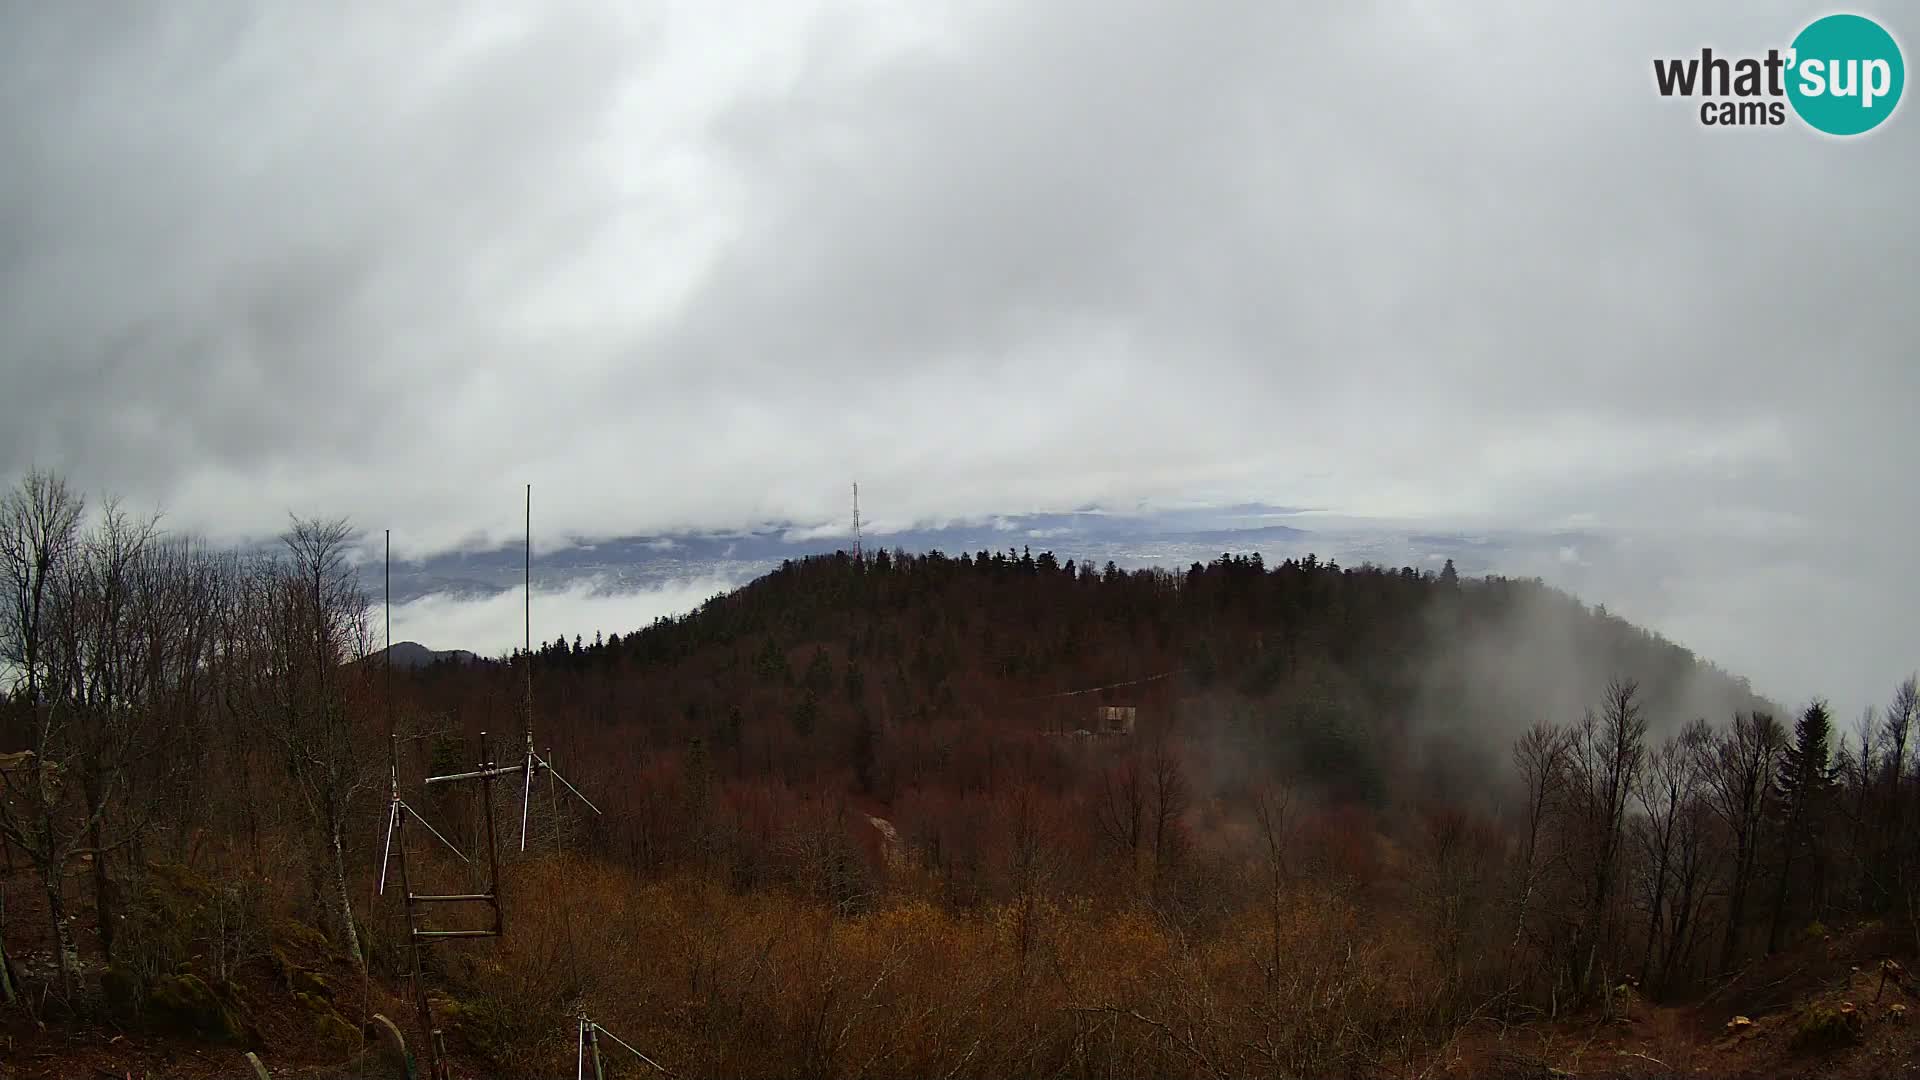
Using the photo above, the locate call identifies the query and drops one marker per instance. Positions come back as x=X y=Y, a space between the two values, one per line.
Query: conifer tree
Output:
x=1802 y=790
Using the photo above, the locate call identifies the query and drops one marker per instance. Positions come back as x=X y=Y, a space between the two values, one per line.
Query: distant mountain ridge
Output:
x=411 y=654
x=1162 y=538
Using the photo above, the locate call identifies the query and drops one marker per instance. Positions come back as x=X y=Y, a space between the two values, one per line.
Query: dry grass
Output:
x=712 y=982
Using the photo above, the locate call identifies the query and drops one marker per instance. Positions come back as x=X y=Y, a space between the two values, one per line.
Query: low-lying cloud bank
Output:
x=492 y=626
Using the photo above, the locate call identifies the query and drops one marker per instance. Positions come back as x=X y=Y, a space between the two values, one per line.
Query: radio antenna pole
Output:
x=533 y=761
x=526 y=658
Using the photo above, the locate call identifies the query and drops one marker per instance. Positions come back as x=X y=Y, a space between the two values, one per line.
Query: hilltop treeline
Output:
x=1354 y=678
x=854 y=823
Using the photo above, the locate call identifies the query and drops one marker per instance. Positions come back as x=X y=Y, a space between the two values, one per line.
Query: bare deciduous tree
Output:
x=305 y=621
x=1272 y=817
x=39 y=535
x=101 y=656
x=1665 y=790
x=1896 y=732
x=1540 y=756
x=1169 y=797
x=1120 y=810
x=1030 y=866
x=1739 y=778
x=1608 y=751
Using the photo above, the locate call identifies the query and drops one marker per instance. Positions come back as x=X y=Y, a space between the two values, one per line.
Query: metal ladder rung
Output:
x=454 y=933
x=450 y=898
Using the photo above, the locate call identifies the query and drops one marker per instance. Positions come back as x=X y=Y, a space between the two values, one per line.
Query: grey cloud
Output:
x=697 y=268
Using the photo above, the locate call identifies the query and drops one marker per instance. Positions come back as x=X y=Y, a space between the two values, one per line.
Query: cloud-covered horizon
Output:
x=696 y=267
x=492 y=626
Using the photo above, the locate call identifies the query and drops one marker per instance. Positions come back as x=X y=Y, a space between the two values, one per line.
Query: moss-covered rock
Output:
x=177 y=884
x=186 y=1005
x=302 y=981
x=337 y=1035
x=123 y=992
x=480 y=1027
x=299 y=954
x=1827 y=1027
x=339 y=1038
x=298 y=945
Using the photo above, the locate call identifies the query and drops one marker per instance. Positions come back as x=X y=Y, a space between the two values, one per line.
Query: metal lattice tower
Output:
x=856 y=521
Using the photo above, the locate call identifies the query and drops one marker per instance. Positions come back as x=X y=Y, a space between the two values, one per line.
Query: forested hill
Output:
x=1322 y=848
x=903 y=671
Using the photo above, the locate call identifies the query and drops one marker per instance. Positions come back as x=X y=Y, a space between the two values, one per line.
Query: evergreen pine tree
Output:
x=699 y=792
x=819 y=677
x=866 y=746
x=805 y=714
x=1803 y=788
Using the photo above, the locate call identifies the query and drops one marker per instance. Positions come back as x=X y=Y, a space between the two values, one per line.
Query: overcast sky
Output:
x=699 y=264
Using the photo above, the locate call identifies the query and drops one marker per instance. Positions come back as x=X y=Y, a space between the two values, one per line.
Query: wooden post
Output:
x=435 y=1066
x=493 y=847
x=7 y=992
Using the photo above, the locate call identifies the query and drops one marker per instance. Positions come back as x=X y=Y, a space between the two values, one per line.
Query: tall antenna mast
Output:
x=533 y=761
x=387 y=599
x=526 y=653
x=856 y=521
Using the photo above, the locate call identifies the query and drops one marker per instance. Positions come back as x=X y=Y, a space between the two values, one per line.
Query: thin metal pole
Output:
x=389 y=607
x=548 y=765
x=526 y=582
x=526 y=596
x=526 y=796
x=475 y=774
x=393 y=820
x=593 y=1044
x=493 y=845
x=663 y=1069
x=526 y=590
x=393 y=773
x=436 y=832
